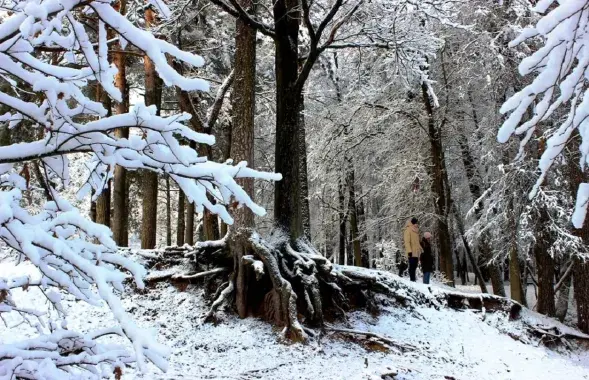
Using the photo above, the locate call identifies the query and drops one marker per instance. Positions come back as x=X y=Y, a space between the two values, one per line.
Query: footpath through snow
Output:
x=451 y=344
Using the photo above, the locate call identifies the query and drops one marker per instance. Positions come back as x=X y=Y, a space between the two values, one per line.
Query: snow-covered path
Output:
x=452 y=344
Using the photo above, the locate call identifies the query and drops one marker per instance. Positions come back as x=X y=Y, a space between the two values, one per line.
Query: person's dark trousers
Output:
x=413 y=261
x=426 y=277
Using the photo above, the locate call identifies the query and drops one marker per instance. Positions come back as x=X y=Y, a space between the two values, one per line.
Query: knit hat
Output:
x=427 y=235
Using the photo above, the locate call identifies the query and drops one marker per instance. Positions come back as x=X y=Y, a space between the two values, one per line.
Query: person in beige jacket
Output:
x=412 y=246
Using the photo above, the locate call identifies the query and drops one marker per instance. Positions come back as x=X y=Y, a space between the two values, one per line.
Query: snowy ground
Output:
x=452 y=344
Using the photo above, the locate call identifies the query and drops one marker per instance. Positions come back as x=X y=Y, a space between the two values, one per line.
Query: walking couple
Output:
x=418 y=251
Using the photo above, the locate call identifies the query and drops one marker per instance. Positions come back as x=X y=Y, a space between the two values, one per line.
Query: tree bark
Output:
x=545 y=269
x=342 y=224
x=103 y=201
x=103 y=206
x=581 y=266
x=180 y=221
x=242 y=149
x=120 y=187
x=150 y=179
x=189 y=231
x=302 y=143
x=287 y=193
x=439 y=178
x=516 y=288
x=168 y=213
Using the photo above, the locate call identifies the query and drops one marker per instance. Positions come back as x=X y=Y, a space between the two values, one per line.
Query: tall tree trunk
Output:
x=242 y=148
x=342 y=223
x=302 y=144
x=287 y=193
x=189 y=231
x=544 y=261
x=168 y=213
x=353 y=216
x=545 y=268
x=120 y=217
x=149 y=178
x=439 y=179
x=103 y=201
x=516 y=284
x=516 y=288
x=581 y=266
x=180 y=220
x=103 y=206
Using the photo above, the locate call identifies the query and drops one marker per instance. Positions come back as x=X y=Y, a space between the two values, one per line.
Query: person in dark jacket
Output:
x=426 y=258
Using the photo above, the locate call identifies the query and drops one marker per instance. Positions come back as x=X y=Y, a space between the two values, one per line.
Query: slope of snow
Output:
x=451 y=344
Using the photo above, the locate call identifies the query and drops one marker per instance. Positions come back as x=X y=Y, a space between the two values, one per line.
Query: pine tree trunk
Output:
x=516 y=289
x=545 y=269
x=149 y=178
x=189 y=231
x=302 y=143
x=168 y=213
x=120 y=187
x=581 y=288
x=581 y=266
x=287 y=193
x=353 y=216
x=180 y=221
x=439 y=179
x=342 y=224
x=103 y=207
x=243 y=103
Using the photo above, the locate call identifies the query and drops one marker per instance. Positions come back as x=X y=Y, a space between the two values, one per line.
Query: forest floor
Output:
x=450 y=344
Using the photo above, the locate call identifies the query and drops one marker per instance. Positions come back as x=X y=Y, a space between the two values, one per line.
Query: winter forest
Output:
x=235 y=189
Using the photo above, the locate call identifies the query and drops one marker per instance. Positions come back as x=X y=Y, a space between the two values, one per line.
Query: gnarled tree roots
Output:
x=293 y=286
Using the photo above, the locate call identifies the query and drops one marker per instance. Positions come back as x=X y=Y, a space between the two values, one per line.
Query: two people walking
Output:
x=417 y=251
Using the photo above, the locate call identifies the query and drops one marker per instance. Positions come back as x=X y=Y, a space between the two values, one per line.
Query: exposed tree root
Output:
x=293 y=286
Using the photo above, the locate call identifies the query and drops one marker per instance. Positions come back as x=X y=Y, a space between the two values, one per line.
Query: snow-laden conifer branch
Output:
x=560 y=83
